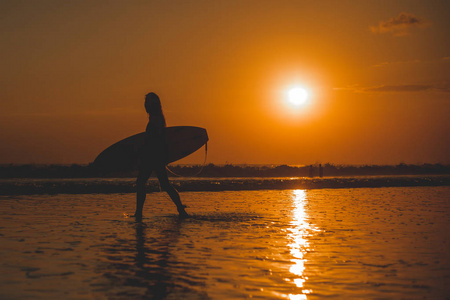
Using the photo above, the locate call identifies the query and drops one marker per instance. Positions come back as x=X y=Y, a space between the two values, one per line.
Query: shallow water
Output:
x=366 y=243
x=34 y=186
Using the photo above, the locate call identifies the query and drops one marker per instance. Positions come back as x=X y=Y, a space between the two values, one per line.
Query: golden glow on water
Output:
x=299 y=233
x=297 y=297
x=250 y=244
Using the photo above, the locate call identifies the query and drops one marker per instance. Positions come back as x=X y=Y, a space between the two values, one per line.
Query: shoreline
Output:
x=229 y=170
x=13 y=187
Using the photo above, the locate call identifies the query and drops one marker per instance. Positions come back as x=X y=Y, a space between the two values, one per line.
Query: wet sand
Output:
x=30 y=186
x=363 y=243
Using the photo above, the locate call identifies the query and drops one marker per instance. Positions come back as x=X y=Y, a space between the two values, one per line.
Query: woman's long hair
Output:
x=153 y=106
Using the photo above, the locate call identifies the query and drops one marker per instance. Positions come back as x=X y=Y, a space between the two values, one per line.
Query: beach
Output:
x=32 y=186
x=346 y=243
x=308 y=140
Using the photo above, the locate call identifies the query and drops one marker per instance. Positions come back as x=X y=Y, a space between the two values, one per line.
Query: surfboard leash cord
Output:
x=201 y=169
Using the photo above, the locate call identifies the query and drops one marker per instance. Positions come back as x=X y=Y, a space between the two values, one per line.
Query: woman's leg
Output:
x=161 y=173
x=140 y=192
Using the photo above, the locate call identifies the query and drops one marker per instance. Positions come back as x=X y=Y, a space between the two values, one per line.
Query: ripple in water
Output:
x=291 y=244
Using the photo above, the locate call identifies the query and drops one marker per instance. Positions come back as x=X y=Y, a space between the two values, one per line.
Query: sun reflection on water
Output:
x=299 y=246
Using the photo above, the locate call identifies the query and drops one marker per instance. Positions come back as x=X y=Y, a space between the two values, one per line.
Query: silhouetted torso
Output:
x=155 y=147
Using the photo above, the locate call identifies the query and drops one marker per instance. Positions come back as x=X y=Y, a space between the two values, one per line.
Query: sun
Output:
x=295 y=102
x=297 y=96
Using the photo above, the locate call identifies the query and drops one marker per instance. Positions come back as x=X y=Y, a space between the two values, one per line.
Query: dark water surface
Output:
x=30 y=186
x=363 y=243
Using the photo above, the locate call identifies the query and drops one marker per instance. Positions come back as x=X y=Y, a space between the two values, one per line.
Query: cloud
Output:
x=394 y=63
x=402 y=63
x=400 y=25
x=400 y=88
x=443 y=87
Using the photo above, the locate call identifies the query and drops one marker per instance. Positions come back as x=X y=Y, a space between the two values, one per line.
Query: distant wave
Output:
x=211 y=170
x=127 y=185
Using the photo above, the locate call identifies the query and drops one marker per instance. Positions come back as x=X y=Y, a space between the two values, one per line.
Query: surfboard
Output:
x=122 y=156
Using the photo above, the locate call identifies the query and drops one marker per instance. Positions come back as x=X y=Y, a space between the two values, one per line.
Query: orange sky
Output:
x=74 y=75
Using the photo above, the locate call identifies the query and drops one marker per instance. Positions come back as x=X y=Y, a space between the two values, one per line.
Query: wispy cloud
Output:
x=400 y=25
x=391 y=63
x=443 y=87
x=400 y=88
x=440 y=60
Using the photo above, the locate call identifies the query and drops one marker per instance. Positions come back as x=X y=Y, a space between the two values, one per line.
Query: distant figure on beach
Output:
x=153 y=157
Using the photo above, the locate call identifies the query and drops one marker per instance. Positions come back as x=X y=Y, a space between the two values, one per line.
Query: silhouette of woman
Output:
x=153 y=157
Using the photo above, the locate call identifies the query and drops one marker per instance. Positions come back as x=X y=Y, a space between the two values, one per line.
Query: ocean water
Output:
x=30 y=186
x=354 y=243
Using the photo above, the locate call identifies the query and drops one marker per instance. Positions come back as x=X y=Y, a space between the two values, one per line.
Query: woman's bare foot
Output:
x=138 y=217
x=181 y=212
